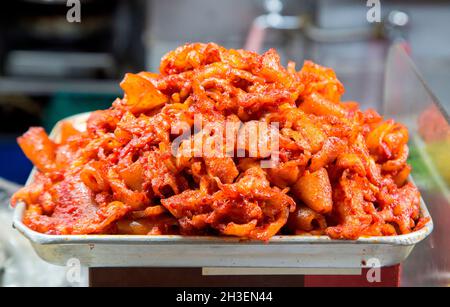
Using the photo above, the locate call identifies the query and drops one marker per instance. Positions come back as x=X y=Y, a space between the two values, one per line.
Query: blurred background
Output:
x=50 y=68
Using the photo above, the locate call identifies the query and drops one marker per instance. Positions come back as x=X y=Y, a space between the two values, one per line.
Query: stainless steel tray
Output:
x=182 y=251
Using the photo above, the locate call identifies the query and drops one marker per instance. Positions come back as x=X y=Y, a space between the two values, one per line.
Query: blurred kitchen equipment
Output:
x=408 y=99
x=206 y=251
x=6 y=190
x=394 y=27
x=39 y=41
x=19 y=265
x=272 y=20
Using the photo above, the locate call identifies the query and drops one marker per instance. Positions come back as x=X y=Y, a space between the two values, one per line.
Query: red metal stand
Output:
x=192 y=277
x=389 y=277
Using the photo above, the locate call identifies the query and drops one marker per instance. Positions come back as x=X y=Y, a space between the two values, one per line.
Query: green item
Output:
x=63 y=105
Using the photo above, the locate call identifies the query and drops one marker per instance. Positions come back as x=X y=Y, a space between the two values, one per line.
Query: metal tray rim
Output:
x=45 y=239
